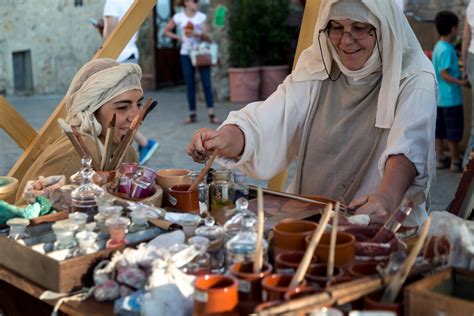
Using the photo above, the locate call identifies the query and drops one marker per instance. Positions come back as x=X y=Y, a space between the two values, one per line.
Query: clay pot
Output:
x=8 y=188
x=369 y=251
x=271 y=77
x=363 y=269
x=250 y=285
x=287 y=262
x=183 y=200
x=345 y=248
x=244 y=84
x=215 y=294
x=166 y=178
x=372 y=302
x=317 y=276
x=276 y=285
x=300 y=292
x=289 y=235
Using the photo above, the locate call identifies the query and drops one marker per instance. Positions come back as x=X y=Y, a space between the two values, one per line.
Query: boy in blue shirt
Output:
x=449 y=120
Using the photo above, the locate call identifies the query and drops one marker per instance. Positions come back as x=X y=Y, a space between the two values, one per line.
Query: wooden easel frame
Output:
x=50 y=131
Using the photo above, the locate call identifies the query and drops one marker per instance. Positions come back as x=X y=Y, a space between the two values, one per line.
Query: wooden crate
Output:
x=449 y=292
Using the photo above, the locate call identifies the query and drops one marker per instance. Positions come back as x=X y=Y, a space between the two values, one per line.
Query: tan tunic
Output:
x=60 y=158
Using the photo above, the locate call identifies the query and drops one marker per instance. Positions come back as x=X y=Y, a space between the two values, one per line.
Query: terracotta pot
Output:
x=271 y=77
x=250 y=285
x=301 y=292
x=244 y=84
x=276 y=285
x=317 y=276
x=372 y=302
x=215 y=294
x=287 y=262
x=8 y=188
x=289 y=235
x=263 y=306
x=363 y=269
x=183 y=200
x=166 y=178
x=345 y=248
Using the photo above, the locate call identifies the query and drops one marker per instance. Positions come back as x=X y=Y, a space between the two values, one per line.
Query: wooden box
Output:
x=449 y=292
x=47 y=269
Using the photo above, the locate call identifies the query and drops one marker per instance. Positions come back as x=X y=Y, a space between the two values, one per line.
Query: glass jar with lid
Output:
x=221 y=194
x=241 y=188
x=201 y=264
x=215 y=235
x=203 y=191
x=84 y=196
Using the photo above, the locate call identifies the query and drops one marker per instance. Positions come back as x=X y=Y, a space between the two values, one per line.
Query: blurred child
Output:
x=449 y=120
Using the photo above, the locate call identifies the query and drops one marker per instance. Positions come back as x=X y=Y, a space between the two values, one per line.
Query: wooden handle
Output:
x=258 y=261
x=332 y=243
x=204 y=171
x=400 y=276
x=304 y=264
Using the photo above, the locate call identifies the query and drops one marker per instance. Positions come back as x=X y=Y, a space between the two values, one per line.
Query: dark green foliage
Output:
x=259 y=32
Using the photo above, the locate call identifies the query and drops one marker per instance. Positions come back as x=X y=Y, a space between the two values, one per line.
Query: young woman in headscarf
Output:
x=358 y=114
x=101 y=88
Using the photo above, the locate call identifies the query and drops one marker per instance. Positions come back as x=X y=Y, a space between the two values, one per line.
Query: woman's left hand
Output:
x=376 y=205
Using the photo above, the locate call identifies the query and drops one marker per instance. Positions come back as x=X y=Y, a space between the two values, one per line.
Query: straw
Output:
x=332 y=243
x=391 y=292
x=303 y=267
x=108 y=143
x=204 y=171
x=258 y=261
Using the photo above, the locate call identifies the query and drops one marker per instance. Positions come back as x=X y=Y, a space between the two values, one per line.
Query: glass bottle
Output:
x=215 y=235
x=203 y=189
x=117 y=229
x=241 y=188
x=80 y=219
x=64 y=231
x=126 y=177
x=201 y=264
x=18 y=228
x=221 y=195
x=240 y=219
x=77 y=178
x=139 y=220
x=83 y=197
x=143 y=186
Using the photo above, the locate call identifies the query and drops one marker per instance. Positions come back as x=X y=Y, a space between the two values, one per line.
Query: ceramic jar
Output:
x=166 y=178
x=345 y=248
x=289 y=235
x=275 y=286
x=215 y=294
x=180 y=198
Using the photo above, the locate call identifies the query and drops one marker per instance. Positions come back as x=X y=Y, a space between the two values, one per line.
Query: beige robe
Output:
x=60 y=158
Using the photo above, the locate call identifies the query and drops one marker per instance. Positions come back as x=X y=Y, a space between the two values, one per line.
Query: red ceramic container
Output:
x=287 y=262
x=317 y=276
x=345 y=248
x=276 y=285
x=216 y=294
x=289 y=235
x=372 y=302
x=184 y=200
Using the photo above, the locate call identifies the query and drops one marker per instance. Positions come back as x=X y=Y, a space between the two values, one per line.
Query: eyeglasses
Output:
x=357 y=33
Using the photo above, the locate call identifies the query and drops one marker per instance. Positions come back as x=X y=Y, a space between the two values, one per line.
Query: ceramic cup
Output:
x=250 y=284
x=363 y=269
x=317 y=276
x=215 y=294
x=180 y=198
x=275 y=286
x=345 y=248
x=166 y=178
x=289 y=235
x=287 y=262
x=372 y=302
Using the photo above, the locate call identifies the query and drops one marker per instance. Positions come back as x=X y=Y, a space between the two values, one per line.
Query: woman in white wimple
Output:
x=358 y=114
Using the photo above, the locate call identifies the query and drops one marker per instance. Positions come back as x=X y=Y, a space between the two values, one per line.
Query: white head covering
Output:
x=96 y=83
x=401 y=52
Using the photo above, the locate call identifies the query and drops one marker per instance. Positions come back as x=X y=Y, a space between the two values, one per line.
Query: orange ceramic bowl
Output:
x=289 y=235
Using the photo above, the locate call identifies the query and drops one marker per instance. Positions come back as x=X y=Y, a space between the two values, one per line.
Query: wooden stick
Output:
x=146 y=108
x=67 y=130
x=84 y=147
x=109 y=138
x=119 y=153
x=258 y=260
x=333 y=242
x=400 y=276
x=313 y=300
x=204 y=171
x=95 y=136
x=308 y=256
x=297 y=197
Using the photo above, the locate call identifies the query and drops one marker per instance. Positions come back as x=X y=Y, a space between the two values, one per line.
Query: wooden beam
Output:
x=15 y=125
x=305 y=39
x=111 y=48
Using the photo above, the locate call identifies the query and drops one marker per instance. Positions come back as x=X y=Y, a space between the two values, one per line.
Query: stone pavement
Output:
x=164 y=124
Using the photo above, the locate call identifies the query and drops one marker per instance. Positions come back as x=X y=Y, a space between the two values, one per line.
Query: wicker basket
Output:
x=8 y=188
x=154 y=200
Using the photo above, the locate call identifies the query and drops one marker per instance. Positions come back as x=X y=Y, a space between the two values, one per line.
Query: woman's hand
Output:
x=229 y=140
x=376 y=205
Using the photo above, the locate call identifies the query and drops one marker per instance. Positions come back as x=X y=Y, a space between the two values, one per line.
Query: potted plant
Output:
x=275 y=46
x=245 y=36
